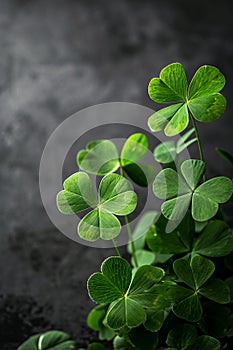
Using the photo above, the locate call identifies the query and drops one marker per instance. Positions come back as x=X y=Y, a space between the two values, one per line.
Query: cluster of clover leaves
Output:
x=177 y=293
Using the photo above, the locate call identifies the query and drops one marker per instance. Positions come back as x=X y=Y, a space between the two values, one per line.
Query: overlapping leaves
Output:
x=179 y=190
x=185 y=337
x=127 y=296
x=202 y=98
x=196 y=275
x=101 y=157
x=115 y=197
x=215 y=240
x=167 y=152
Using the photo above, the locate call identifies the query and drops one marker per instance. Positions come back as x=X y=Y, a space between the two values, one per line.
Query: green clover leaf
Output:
x=127 y=296
x=215 y=240
x=52 y=340
x=114 y=198
x=196 y=275
x=185 y=337
x=101 y=158
x=179 y=191
x=167 y=152
x=176 y=242
x=202 y=98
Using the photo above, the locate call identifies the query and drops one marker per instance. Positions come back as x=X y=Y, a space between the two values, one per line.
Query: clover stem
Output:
x=198 y=143
x=133 y=249
x=116 y=247
x=131 y=241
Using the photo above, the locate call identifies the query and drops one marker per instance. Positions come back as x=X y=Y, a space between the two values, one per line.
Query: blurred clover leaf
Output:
x=185 y=337
x=202 y=98
x=181 y=190
x=196 y=276
x=215 y=240
x=167 y=152
x=176 y=242
x=127 y=295
x=114 y=198
x=225 y=155
x=52 y=340
x=101 y=158
x=96 y=321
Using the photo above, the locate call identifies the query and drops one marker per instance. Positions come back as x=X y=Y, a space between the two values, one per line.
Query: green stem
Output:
x=117 y=249
x=131 y=241
x=198 y=143
x=133 y=249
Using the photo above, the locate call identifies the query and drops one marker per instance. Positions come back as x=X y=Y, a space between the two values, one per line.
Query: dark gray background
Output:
x=57 y=57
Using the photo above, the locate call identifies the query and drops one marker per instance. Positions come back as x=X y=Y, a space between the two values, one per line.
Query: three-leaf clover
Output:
x=167 y=152
x=127 y=296
x=202 y=98
x=54 y=340
x=185 y=337
x=180 y=189
x=115 y=197
x=196 y=276
x=101 y=158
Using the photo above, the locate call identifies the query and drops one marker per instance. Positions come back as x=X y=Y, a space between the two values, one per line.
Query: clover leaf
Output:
x=101 y=158
x=52 y=340
x=225 y=155
x=202 y=98
x=179 y=191
x=215 y=240
x=176 y=242
x=127 y=296
x=185 y=337
x=196 y=275
x=114 y=198
x=167 y=152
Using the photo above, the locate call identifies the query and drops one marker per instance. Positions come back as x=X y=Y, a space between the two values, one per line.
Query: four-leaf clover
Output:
x=128 y=296
x=180 y=189
x=115 y=197
x=201 y=98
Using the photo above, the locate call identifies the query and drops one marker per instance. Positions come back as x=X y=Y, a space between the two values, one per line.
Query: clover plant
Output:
x=176 y=292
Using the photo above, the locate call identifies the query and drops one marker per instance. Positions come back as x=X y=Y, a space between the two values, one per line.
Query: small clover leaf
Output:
x=202 y=99
x=179 y=191
x=114 y=198
x=127 y=296
x=54 y=340
x=101 y=158
x=186 y=303
x=167 y=152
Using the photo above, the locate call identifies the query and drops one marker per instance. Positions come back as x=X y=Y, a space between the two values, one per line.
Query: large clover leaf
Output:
x=53 y=340
x=201 y=99
x=101 y=158
x=114 y=198
x=196 y=276
x=127 y=296
x=179 y=191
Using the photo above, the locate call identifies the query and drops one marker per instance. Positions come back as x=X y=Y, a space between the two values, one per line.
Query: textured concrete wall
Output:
x=57 y=57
